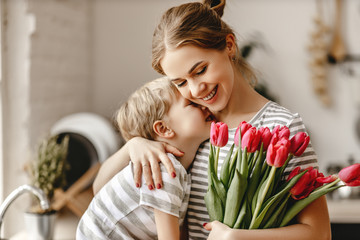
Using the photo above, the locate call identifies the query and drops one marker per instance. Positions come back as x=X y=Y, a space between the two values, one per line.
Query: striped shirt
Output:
x=122 y=211
x=269 y=116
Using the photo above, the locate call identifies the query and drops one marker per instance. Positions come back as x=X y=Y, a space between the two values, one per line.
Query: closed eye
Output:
x=180 y=83
x=202 y=71
x=193 y=104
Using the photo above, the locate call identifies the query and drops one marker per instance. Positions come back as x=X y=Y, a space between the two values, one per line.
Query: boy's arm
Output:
x=145 y=155
x=167 y=225
x=313 y=223
x=184 y=230
x=111 y=167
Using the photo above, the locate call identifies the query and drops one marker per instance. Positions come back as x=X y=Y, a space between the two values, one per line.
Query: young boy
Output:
x=120 y=210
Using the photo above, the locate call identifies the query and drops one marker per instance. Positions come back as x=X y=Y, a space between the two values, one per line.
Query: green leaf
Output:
x=243 y=163
x=255 y=176
x=244 y=217
x=234 y=198
x=274 y=217
x=214 y=205
x=232 y=168
x=261 y=198
x=219 y=188
x=225 y=168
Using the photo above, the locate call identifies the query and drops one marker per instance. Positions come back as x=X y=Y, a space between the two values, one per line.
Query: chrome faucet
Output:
x=44 y=202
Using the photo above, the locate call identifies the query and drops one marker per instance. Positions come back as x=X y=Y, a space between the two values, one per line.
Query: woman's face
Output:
x=203 y=76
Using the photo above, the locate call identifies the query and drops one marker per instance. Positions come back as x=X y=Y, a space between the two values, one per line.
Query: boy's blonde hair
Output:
x=151 y=102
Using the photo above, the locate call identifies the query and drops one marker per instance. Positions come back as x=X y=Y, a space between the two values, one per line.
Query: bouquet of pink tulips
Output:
x=249 y=192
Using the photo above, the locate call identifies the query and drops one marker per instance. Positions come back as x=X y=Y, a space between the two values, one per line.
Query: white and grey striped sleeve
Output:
x=169 y=198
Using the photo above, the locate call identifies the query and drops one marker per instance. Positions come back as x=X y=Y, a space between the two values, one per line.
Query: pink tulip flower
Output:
x=219 y=134
x=327 y=179
x=299 y=143
x=251 y=140
x=265 y=137
x=276 y=155
x=276 y=130
x=243 y=126
x=284 y=132
x=285 y=142
x=351 y=175
x=310 y=181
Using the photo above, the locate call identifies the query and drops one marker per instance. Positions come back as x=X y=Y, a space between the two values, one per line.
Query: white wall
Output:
x=122 y=43
x=47 y=75
x=15 y=102
x=1 y=110
x=60 y=72
x=122 y=48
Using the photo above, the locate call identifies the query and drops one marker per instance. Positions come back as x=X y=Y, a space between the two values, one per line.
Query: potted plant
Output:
x=48 y=172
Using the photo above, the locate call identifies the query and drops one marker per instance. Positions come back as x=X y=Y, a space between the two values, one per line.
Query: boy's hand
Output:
x=146 y=155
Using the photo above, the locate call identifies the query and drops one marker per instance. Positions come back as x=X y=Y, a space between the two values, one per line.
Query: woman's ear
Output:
x=231 y=45
x=162 y=130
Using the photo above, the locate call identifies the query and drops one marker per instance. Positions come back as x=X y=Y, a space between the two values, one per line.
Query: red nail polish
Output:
x=173 y=174
x=137 y=185
x=204 y=224
x=151 y=187
x=158 y=186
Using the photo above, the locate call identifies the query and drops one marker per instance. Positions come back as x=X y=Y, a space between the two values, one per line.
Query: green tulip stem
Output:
x=262 y=195
x=211 y=163
x=216 y=159
x=282 y=168
x=233 y=159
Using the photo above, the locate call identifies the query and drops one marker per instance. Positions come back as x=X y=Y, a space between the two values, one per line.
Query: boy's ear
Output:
x=162 y=130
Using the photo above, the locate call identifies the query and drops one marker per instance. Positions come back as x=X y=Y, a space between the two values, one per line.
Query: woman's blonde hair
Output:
x=149 y=103
x=197 y=24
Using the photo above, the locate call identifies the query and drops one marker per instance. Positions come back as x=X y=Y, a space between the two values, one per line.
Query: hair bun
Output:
x=216 y=5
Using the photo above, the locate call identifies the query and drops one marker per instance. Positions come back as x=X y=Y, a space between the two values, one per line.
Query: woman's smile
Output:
x=211 y=97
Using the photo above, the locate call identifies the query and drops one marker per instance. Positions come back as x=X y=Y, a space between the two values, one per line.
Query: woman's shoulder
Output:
x=273 y=109
x=273 y=114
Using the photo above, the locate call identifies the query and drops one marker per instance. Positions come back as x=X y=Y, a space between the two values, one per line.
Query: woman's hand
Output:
x=146 y=155
x=218 y=230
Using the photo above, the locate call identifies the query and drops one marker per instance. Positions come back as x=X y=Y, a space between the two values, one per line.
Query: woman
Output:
x=198 y=52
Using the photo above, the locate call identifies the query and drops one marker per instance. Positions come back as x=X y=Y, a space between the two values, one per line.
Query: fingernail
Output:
x=151 y=187
x=137 y=185
x=158 y=186
x=204 y=224
x=173 y=174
